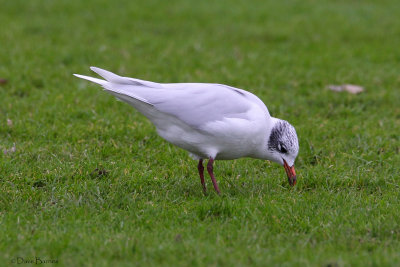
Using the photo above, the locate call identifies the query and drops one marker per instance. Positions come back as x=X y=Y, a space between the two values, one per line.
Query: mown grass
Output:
x=91 y=183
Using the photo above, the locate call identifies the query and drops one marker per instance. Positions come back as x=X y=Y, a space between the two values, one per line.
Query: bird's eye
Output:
x=282 y=148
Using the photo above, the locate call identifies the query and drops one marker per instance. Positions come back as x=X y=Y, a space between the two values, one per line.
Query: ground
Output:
x=91 y=183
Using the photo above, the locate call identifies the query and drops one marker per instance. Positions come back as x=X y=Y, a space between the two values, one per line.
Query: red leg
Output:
x=210 y=172
x=201 y=173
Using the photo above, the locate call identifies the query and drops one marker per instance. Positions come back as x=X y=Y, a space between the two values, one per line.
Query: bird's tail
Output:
x=116 y=79
x=121 y=87
x=92 y=79
x=107 y=75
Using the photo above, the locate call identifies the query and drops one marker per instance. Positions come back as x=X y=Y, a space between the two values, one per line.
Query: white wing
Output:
x=195 y=104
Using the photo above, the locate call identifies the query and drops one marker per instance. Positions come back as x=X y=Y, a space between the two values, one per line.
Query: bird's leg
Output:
x=210 y=172
x=201 y=173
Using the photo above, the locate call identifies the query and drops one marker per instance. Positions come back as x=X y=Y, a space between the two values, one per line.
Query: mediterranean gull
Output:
x=210 y=121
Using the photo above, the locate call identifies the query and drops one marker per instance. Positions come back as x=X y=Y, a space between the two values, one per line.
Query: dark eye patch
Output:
x=282 y=148
x=275 y=142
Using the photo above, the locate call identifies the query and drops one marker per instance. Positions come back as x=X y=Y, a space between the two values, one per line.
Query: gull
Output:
x=210 y=121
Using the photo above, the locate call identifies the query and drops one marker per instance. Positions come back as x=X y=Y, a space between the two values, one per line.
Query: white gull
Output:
x=211 y=121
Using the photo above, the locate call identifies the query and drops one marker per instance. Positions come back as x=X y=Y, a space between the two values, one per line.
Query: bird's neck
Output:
x=262 y=147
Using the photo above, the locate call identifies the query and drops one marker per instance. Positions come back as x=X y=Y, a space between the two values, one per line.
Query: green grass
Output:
x=91 y=183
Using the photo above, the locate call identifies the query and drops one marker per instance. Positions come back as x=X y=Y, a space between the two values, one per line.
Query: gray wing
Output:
x=194 y=103
x=198 y=104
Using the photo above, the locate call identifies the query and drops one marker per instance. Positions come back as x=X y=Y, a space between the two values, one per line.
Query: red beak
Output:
x=291 y=174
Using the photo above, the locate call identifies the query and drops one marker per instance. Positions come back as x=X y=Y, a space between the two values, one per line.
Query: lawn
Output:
x=91 y=183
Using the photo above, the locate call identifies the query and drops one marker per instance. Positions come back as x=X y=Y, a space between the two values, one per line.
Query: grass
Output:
x=91 y=183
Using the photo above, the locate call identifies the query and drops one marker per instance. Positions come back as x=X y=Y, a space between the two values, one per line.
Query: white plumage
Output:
x=211 y=121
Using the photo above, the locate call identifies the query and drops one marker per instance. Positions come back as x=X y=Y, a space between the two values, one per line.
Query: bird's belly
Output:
x=205 y=146
x=230 y=155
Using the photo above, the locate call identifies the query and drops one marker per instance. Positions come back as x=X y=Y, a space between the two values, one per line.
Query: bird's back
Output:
x=191 y=115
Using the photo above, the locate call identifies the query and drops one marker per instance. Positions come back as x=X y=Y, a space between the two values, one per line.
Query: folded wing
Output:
x=193 y=103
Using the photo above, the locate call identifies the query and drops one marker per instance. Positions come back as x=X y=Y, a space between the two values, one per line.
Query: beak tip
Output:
x=292 y=180
x=291 y=173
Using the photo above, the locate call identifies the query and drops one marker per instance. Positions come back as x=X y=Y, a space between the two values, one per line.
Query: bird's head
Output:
x=283 y=147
